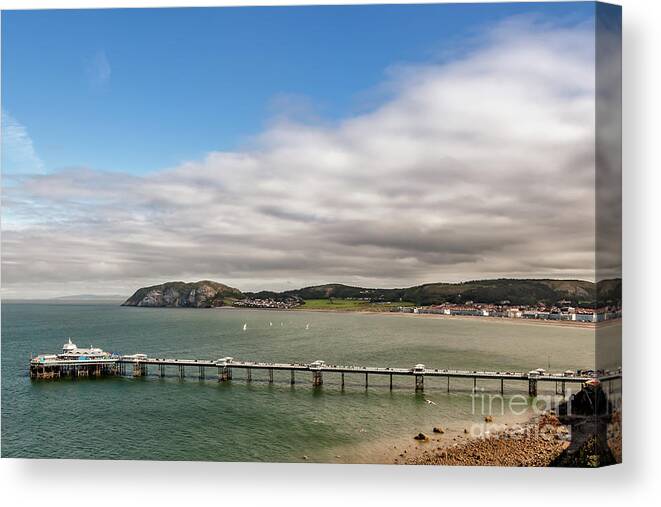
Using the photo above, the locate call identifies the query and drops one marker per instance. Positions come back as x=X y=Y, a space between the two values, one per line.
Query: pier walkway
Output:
x=137 y=365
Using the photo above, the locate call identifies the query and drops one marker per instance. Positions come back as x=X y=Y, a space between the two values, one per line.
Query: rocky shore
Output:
x=537 y=443
x=587 y=435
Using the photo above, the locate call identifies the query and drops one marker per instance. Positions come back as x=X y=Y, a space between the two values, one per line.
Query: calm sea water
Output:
x=171 y=419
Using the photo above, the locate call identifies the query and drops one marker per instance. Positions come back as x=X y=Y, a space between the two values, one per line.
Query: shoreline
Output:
x=500 y=320
x=535 y=441
x=477 y=318
x=403 y=448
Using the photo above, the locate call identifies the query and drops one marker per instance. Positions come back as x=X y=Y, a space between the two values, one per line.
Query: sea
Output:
x=169 y=418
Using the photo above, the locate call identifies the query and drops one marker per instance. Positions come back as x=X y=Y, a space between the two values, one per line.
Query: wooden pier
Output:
x=139 y=365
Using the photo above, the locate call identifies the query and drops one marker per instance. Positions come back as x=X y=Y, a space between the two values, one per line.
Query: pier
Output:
x=139 y=365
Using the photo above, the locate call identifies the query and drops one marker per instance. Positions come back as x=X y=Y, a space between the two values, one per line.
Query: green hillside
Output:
x=497 y=291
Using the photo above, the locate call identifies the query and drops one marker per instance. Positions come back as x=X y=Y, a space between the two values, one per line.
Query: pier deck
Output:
x=139 y=365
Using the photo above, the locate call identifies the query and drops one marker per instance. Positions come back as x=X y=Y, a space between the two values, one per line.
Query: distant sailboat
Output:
x=270 y=324
x=282 y=324
x=307 y=326
x=245 y=326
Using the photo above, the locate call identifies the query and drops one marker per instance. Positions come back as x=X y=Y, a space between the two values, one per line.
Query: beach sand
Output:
x=537 y=441
x=405 y=449
x=491 y=320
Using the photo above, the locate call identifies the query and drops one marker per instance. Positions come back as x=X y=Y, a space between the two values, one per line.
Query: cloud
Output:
x=478 y=167
x=18 y=153
x=98 y=70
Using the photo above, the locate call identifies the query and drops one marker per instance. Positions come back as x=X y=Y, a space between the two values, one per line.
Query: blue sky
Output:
x=144 y=89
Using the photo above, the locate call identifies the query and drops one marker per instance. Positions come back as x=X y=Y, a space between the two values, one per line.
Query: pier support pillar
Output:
x=342 y=380
x=419 y=383
x=138 y=370
x=391 y=381
x=161 y=370
x=532 y=387
x=249 y=374
x=201 y=372
x=501 y=386
x=224 y=374
x=317 y=379
x=448 y=384
x=293 y=377
x=270 y=375
x=563 y=388
x=474 y=385
x=182 y=372
x=366 y=382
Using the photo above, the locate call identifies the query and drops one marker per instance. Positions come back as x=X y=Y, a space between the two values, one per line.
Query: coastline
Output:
x=403 y=448
x=536 y=441
x=542 y=441
x=500 y=320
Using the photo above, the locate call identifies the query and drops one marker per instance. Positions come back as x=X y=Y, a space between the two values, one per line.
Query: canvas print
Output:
x=317 y=234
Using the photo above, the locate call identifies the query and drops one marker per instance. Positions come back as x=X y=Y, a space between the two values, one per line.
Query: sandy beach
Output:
x=491 y=320
x=406 y=449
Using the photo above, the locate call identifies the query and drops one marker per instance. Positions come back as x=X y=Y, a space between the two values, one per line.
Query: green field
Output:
x=350 y=305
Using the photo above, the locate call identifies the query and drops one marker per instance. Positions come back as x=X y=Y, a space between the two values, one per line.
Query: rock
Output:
x=488 y=419
x=305 y=457
x=465 y=431
x=203 y=294
x=438 y=429
x=421 y=436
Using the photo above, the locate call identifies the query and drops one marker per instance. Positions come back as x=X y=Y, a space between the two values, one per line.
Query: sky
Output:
x=273 y=148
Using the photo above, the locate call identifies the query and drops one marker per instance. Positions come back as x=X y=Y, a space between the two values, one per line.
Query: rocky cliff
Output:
x=203 y=294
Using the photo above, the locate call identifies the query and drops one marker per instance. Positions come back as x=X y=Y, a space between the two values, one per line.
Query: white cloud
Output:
x=482 y=167
x=98 y=69
x=18 y=153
